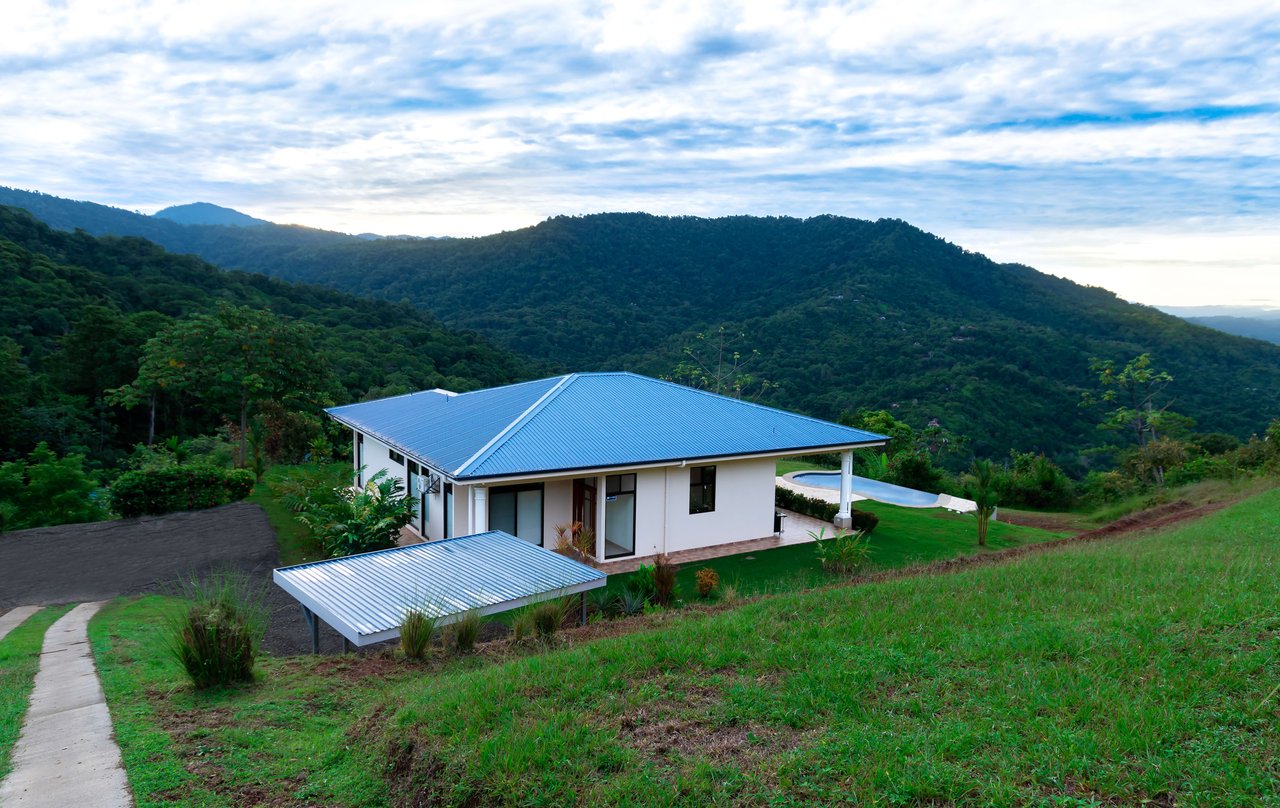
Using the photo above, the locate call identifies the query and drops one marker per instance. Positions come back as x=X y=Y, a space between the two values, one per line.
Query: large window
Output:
x=702 y=489
x=619 y=515
x=517 y=509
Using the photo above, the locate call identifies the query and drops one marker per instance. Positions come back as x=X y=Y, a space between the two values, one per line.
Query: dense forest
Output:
x=76 y=314
x=845 y=314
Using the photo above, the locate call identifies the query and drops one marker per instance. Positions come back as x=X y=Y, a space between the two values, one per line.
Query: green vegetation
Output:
x=216 y=635
x=905 y=536
x=1141 y=669
x=19 y=660
x=287 y=735
x=346 y=521
x=294 y=541
x=76 y=315
x=833 y=305
x=167 y=489
x=44 y=489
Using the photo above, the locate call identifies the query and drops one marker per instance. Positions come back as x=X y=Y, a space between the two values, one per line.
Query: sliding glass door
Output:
x=517 y=509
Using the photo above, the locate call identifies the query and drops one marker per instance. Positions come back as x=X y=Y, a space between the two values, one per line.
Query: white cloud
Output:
x=962 y=117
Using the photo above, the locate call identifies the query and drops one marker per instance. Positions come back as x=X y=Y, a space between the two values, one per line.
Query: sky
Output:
x=1129 y=145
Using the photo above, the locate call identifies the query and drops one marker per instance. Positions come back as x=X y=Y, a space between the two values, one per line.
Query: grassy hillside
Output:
x=846 y=313
x=1135 y=671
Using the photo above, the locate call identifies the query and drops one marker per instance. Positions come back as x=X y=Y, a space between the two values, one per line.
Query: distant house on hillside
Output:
x=649 y=466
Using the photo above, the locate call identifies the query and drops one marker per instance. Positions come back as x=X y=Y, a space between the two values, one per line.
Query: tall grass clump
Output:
x=464 y=633
x=664 y=581
x=416 y=631
x=216 y=638
x=843 y=553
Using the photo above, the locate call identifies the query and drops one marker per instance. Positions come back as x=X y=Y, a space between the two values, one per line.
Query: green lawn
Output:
x=1108 y=673
x=19 y=659
x=788 y=466
x=904 y=536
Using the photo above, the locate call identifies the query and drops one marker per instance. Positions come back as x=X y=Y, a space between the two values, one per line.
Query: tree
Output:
x=230 y=360
x=1137 y=391
x=47 y=490
x=713 y=363
x=982 y=474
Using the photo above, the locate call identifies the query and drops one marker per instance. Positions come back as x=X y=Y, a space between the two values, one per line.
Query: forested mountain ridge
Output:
x=76 y=312
x=845 y=313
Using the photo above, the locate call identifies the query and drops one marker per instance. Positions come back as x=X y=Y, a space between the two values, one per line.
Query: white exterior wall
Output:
x=557 y=509
x=744 y=506
x=376 y=459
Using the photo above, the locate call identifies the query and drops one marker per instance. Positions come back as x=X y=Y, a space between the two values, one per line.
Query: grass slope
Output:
x=19 y=660
x=1108 y=673
x=1104 y=674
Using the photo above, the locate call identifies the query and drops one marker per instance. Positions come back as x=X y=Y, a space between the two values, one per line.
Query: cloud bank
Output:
x=1133 y=147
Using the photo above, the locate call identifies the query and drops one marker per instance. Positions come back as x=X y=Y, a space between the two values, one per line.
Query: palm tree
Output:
x=983 y=474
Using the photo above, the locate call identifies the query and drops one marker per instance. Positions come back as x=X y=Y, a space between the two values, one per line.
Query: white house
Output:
x=649 y=466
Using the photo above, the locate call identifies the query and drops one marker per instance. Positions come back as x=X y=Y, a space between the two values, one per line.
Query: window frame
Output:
x=705 y=490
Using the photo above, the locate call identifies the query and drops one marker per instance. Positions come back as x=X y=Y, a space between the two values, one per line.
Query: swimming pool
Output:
x=870 y=489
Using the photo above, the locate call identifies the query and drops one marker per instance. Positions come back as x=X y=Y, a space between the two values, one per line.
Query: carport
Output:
x=365 y=597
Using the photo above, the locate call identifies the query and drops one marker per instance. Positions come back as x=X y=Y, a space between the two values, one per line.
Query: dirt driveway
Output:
x=100 y=560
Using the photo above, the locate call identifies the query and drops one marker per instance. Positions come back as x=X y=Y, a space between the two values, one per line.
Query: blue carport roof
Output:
x=586 y=420
x=365 y=597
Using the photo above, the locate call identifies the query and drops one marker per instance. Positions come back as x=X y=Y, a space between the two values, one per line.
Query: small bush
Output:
x=547 y=618
x=642 y=582
x=631 y=601
x=416 y=632
x=844 y=553
x=602 y=601
x=664 y=582
x=160 y=490
x=464 y=633
x=707 y=581
x=863 y=522
x=216 y=637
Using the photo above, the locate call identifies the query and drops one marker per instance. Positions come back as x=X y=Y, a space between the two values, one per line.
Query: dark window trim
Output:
x=516 y=489
x=395 y=457
x=707 y=488
x=605 y=512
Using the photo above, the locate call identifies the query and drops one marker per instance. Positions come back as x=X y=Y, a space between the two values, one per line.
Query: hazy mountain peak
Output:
x=208 y=213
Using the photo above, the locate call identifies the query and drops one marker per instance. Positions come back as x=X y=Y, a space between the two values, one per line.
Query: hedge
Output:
x=826 y=511
x=151 y=492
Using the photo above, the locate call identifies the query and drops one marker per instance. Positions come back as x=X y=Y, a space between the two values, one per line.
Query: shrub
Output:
x=917 y=471
x=643 y=584
x=707 y=581
x=792 y=501
x=631 y=601
x=863 y=522
x=216 y=637
x=547 y=617
x=416 y=631
x=843 y=553
x=1033 y=481
x=47 y=490
x=664 y=581
x=347 y=522
x=160 y=490
x=602 y=601
x=465 y=632
x=576 y=542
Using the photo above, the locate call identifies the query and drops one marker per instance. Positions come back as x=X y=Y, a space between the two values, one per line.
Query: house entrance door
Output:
x=584 y=503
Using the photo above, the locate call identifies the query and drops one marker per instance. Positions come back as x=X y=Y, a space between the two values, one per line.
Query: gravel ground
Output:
x=100 y=560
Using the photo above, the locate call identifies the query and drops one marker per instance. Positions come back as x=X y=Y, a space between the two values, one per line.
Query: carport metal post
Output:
x=313 y=623
x=582 y=608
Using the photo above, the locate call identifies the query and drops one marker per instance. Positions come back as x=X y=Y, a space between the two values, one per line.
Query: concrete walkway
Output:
x=14 y=618
x=67 y=755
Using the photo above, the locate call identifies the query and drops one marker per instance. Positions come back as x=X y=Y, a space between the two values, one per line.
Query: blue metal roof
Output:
x=588 y=420
x=365 y=597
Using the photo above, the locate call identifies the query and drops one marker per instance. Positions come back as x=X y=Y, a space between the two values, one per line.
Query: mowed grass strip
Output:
x=1107 y=674
x=285 y=739
x=19 y=661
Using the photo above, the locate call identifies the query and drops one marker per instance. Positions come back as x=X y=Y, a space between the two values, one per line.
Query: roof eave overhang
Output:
x=581 y=471
x=404 y=450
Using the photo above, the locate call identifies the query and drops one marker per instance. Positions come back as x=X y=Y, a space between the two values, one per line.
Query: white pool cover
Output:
x=365 y=597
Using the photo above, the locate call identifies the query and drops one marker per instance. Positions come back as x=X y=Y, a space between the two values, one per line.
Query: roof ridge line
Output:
x=753 y=404
x=514 y=426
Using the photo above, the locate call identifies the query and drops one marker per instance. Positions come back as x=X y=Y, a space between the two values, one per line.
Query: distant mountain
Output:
x=208 y=213
x=844 y=314
x=1243 y=321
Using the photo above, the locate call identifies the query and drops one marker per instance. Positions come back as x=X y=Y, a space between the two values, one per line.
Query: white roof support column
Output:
x=843 y=520
x=602 y=516
x=481 y=523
